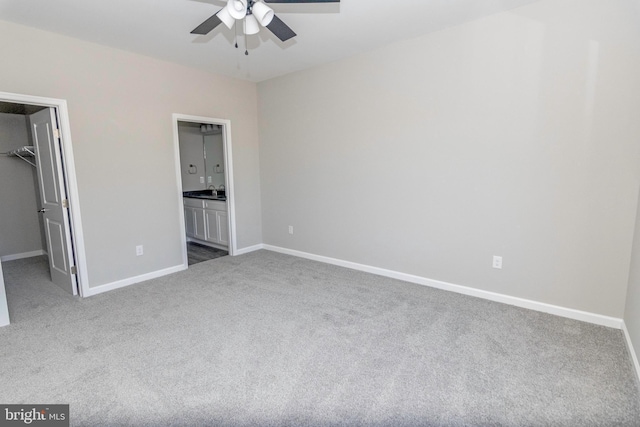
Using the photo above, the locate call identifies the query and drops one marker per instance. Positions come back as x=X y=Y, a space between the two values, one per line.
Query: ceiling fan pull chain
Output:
x=235 y=27
x=246 y=45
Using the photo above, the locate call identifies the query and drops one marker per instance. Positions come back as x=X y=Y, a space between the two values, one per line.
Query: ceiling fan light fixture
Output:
x=251 y=25
x=237 y=8
x=263 y=13
x=226 y=17
x=253 y=13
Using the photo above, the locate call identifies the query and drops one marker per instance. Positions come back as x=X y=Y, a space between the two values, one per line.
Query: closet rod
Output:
x=23 y=153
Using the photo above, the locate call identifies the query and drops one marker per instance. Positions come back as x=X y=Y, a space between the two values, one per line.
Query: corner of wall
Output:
x=632 y=352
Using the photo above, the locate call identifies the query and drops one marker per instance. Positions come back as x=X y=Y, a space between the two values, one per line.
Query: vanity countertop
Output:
x=203 y=194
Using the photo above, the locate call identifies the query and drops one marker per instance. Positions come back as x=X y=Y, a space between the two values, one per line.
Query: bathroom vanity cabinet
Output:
x=207 y=221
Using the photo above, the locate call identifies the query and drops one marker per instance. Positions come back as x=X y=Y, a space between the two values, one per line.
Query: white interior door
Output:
x=4 y=310
x=53 y=198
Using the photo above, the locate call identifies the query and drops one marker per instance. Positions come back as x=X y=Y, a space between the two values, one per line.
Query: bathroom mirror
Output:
x=214 y=159
x=201 y=156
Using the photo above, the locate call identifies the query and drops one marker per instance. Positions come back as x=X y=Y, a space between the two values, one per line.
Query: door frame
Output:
x=69 y=177
x=228 y=175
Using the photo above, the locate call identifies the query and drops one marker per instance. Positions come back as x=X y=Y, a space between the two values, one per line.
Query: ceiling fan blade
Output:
x=302 y=1
x=208 y=25
x=280 y=29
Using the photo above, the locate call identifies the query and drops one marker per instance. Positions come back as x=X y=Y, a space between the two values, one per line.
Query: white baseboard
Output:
x=132 y=280
x=249 y=249
x=22 y=255
x=634 y=355
x=570 y=313
x=137 y=279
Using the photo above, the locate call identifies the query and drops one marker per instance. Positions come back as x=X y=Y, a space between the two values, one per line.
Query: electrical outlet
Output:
x=497 y=262
x=291 y=229
x=202 y=180
x=139 y=250
x=209 y=180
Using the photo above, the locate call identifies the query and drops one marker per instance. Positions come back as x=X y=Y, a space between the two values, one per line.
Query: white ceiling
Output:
x=326 y=32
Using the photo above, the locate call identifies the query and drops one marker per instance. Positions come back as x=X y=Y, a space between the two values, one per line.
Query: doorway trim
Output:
x=62 y=114
x=228 y=175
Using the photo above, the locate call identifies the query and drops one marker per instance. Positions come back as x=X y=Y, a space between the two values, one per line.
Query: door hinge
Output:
x=56 y=133
x=65 y=203
x=74 y=270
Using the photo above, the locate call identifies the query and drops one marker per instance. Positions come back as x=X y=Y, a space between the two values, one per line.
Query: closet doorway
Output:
x=42 y=149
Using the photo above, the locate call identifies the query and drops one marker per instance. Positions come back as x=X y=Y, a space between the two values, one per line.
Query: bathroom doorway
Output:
x=204 y=175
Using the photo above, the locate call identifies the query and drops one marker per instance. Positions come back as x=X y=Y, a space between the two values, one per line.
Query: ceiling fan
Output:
x=254 y=13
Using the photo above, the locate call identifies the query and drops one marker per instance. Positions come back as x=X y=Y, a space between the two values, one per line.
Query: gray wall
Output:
x=120 y=107
x=19 y=222
x=632 y=311
x=514 y=135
